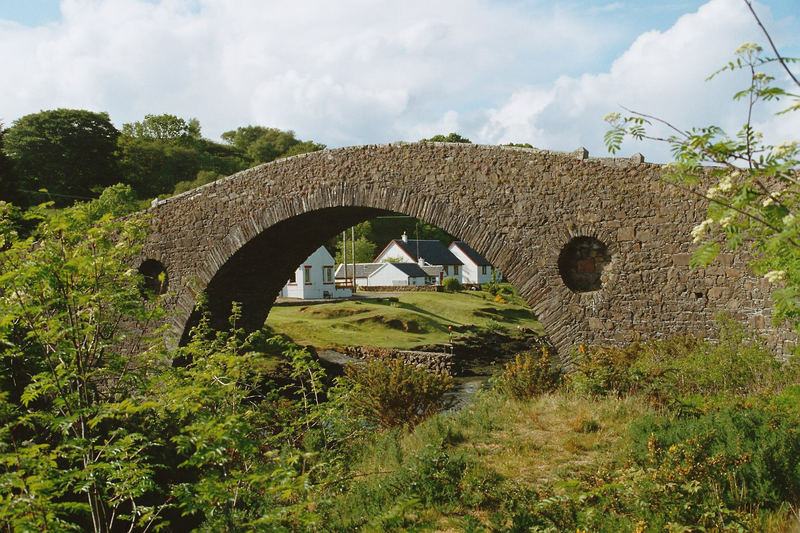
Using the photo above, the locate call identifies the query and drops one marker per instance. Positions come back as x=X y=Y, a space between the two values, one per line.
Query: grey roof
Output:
x=412 y=270
x=432 y=270
x=363 y=270
x=476 y=258
x=432 y=251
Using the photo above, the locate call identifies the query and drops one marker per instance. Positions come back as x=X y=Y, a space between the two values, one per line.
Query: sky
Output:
x=356 y=72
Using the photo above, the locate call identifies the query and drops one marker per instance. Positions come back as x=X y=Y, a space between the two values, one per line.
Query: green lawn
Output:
x=403 y=321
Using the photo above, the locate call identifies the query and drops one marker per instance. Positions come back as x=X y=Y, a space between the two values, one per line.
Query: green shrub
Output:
x=742 y=455
x=390 y=392
x=529 y=376
x=451 y=284
x=433 y=476
x=680 y=371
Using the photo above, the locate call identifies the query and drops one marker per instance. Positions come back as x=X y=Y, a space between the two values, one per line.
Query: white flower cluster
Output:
x=786 y=147
x=789 y=220
x=724 y=185
x=699 y=231
x=774 y=276
x=726 y=221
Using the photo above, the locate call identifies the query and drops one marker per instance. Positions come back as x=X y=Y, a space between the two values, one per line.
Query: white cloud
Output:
x=662 y=73
x=338 y=72
x=358 y=71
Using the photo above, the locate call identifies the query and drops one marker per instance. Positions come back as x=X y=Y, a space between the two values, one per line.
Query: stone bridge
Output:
x=599 y=248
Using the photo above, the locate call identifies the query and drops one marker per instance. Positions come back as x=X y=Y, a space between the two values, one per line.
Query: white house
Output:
x=476 y=268
x=423 y=253
x=391 y=274
x=314 y=279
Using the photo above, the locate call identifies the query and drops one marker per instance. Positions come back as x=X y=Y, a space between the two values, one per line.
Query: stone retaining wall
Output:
x=431 y=361
x=401 y=288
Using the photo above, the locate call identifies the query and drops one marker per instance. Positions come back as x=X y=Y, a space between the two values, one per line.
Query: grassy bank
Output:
x=402 y=321
x=645 y=438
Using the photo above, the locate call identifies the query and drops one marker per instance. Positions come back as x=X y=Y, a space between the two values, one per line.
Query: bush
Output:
x=390 y=392
x=451 y=284
x=529 y=376
x=678 y=370
x=741 y=456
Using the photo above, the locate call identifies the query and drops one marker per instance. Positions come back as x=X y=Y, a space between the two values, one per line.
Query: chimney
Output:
x=421 y=262
x=405 y=237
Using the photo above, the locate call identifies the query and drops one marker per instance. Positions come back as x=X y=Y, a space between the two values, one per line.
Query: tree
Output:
x=258 y=144
x=163 y=150
x=163 y=127
x=752 y=188
x=98 y=431
x=69 y=152
x=450 y=138
x=8 y=182
x=365 y=250
x=65 y=456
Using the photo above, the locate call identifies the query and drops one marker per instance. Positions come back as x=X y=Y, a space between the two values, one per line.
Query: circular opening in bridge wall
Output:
x=155 y=278
x=581 y=263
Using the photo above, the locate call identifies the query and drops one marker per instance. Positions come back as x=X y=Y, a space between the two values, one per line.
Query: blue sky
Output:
x=366 y=71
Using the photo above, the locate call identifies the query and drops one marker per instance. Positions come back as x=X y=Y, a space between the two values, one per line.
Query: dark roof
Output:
x=363 y=270
x=412 y=270
x=476 y=258
x=432 y=251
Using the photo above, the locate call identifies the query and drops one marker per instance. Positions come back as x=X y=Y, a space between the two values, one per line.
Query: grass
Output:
x=629 y=456
x=404 y=321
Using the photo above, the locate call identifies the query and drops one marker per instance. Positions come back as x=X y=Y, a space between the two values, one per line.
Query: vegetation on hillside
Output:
x=65 y=155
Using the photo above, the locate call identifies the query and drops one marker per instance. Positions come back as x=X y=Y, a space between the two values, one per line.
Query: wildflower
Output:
x=789 y=219
x=774 y=276
x=768 y=201
x=783 y=148
x=726 y=183
x=726 y=221
x=699 y=231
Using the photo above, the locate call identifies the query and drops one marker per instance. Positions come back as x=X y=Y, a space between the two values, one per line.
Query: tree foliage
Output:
x=73 y=372
x=99 y=432
x=752 y=187
x=162 y=151
x=257 y=144
x=163 y=127
x=69 y=152
x=449 y=138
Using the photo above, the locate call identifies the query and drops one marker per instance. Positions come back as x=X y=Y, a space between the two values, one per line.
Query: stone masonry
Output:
x=610 y=228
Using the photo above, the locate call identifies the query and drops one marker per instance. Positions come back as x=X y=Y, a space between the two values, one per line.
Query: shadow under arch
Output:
x=256 y=272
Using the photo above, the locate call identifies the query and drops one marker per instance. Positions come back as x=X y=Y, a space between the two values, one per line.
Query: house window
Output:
x=483 y=270
x=293 y=279
x=455 y=270
x=328 y=274
x=445 y=270
x=307 y=275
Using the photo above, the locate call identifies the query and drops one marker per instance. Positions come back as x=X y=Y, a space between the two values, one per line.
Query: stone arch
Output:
x=518 y=207
x=238 y=261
